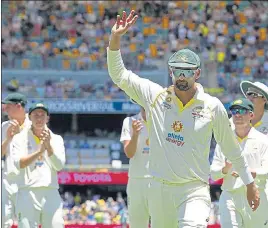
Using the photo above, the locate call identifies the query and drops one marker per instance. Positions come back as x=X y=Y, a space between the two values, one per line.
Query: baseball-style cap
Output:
x=39 y=106
x=15 y=98
x=242 y=103
x=185 y=59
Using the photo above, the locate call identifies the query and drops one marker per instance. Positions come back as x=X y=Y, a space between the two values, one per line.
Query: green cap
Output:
x=15 y=98
x=242 y=103
x=184 y=58
x=39 y=106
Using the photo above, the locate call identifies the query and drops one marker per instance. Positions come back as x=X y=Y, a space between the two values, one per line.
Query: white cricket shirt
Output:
x=255 y=150
x=10 y=181
x=42 y=172
x=139 y=163
x=179 y=135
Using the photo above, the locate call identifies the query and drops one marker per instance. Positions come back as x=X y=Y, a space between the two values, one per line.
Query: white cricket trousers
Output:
x=137 y=192
x=234 y=209
x=8 y=204
x=39 y=206
x=259 y=218
x=179 y=206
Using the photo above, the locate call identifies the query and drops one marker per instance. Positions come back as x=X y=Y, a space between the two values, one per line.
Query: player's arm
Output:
x=9 y=129
x=137 y=88
x=19 y=154
x=4 y=146
x=128 y=139
x=229 y=146
x=218 y=167
x=56 y=152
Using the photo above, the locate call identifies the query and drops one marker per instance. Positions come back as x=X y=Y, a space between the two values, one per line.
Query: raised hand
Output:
x=13 y=129
x=136 y=126
x=123 y=24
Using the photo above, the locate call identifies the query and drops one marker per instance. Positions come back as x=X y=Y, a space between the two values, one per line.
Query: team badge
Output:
x=177 y=126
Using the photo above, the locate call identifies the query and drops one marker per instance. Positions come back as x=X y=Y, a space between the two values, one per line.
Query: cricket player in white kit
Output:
x=14 y=105
x=234 y=210
x=135 y=138
x=38 y=154
x=181 y=120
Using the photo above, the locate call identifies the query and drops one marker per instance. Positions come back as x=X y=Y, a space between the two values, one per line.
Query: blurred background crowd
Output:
x=73 y=35
x=91 y=209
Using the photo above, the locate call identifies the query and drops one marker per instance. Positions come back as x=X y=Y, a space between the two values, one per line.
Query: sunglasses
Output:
x=177 y=72
x=240 y=111
x=254 y=95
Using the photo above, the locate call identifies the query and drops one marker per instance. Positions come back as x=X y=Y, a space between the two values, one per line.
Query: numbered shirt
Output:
x=139 y=163
x=179 y=135
x=43 y=171
x=255 y=150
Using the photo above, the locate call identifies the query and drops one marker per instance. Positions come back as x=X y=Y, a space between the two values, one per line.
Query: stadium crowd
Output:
x=73 y=35
x=42 y=33
x=91 y=210
x=81 y=209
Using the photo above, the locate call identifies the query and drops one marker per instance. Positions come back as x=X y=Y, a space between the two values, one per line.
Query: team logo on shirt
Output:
x=264 y=130
x=176 y=139
x=196 y=112
x=177 y=126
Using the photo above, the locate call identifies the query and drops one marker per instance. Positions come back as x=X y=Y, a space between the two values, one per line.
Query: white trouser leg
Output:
x=137 y=191
x=234 y=209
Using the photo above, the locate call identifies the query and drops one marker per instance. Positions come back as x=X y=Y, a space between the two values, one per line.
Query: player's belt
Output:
x=165 y=182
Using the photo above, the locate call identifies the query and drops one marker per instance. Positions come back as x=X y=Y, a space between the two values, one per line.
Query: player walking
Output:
x=181 y=120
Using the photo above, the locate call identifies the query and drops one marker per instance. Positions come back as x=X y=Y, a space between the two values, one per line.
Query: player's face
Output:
x=39 y=118
x=184 y=79
x=256 y=98
x=241 y=116
x=11 y=110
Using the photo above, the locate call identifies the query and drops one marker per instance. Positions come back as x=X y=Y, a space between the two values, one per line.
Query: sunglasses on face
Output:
x=240 y=111
x=177 y=72
x=254 y=95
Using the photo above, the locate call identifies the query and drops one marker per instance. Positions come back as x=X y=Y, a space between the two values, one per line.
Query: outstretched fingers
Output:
x=117 y=21
x=124 y=18
x=132 y=22
x=130 y=16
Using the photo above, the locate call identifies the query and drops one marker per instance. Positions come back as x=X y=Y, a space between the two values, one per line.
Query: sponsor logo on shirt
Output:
x=264 y=130
x=166 y=104
x=196 y=112
x=146 y=150
x=176 y=139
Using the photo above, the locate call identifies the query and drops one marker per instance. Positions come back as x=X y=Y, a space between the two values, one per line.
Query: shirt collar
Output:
x=251 y=135
x=199 y=95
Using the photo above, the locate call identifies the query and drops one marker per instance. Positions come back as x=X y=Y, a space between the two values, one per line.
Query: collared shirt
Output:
x=255 y=150
x=139 y=163
x=179 y=135
x=42 y=172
